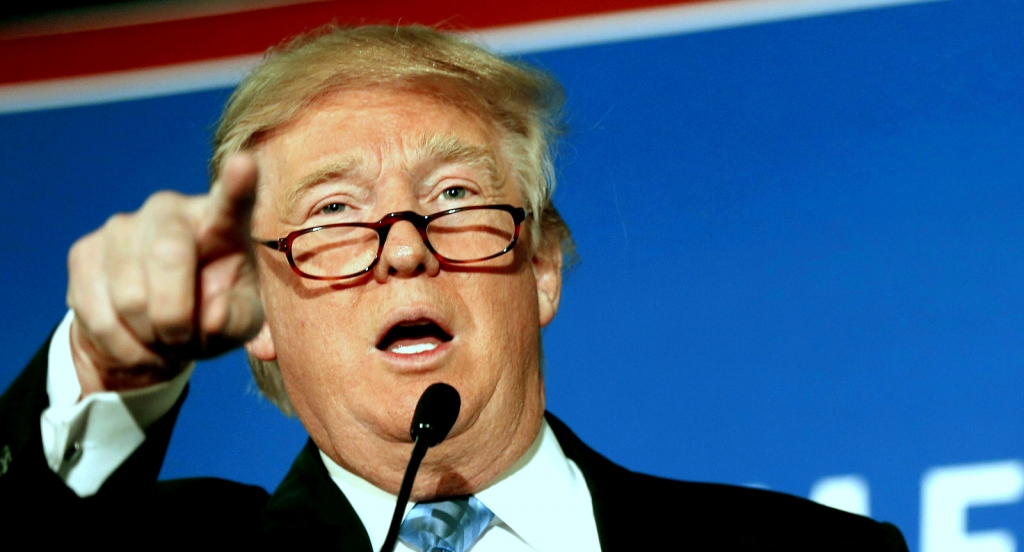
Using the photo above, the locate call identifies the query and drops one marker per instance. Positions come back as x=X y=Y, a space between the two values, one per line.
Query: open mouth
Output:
x=413 y=337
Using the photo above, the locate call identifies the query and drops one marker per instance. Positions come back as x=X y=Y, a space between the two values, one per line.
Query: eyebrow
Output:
x=448 y=148
x=333 y=171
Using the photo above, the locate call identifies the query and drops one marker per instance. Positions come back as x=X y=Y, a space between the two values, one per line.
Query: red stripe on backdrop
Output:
x=168 y=42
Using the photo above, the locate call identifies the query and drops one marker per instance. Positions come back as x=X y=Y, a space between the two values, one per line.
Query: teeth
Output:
x=414 y=349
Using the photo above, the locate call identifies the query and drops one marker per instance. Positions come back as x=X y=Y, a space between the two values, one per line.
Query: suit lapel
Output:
x=308 y=508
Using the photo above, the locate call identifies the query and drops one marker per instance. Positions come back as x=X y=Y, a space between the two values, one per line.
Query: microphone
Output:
x=436 y=412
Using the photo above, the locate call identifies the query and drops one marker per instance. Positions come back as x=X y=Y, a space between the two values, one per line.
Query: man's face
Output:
x=356 y=354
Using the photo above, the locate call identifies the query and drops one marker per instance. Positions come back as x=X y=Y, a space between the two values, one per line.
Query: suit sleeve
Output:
x=26 y=478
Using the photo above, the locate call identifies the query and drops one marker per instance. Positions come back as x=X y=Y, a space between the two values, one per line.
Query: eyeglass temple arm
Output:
x=276 y=245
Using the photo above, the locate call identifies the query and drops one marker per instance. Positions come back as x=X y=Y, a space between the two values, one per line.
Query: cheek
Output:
x=506 y=314
x=307 y=330
x=320 y=359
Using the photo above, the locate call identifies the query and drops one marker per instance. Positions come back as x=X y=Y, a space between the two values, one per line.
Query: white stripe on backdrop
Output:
x=512 y=39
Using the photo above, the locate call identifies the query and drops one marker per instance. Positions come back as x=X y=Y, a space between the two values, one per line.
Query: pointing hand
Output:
x=171 y=283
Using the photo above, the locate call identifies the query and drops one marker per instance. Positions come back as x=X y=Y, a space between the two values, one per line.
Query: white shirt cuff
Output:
x=85 y=441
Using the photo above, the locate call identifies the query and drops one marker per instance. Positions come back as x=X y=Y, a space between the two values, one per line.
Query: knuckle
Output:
x=129 y=298
x=83 y=271
x=81 y=251
x=73 y=297
x=118 y=222
x=162 y=201
x=105 y=329
x=114 y=232
x=84 y=305
x=172 y=247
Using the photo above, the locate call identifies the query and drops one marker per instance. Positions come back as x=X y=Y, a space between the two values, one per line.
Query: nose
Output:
x=405 y=254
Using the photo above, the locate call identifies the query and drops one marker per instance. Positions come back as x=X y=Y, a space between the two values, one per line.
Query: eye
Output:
x=333 y=208
x=456 y=192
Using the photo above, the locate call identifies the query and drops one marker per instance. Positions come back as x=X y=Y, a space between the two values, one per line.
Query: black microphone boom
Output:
x=436 y=412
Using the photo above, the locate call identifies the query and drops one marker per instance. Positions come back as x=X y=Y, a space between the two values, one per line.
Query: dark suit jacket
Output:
x=633 y=511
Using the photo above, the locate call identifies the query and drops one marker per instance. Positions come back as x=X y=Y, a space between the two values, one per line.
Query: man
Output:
x=381 y=221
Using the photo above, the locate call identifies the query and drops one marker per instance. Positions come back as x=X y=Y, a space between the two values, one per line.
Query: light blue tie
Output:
x=450 y=525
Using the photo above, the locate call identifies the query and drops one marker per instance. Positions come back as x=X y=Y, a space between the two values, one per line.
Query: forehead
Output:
x=377 y=113
x=372 y=130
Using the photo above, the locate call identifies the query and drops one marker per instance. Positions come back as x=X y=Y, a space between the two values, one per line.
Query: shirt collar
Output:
x=533 y=498
x=543 y=498
x=373 y=505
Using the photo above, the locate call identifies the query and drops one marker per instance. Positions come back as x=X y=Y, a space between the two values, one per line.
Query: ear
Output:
x=547 y=271
x=262 y=346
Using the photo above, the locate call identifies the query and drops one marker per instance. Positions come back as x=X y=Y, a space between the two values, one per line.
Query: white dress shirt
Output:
x=540 y=503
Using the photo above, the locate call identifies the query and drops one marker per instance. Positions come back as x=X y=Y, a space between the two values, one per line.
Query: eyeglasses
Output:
x=455 y=236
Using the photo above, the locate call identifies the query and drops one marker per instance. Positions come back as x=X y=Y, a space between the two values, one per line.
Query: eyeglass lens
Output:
x=458 y=237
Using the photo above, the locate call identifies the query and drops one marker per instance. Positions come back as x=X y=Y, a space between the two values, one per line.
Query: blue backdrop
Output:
x=800 y=242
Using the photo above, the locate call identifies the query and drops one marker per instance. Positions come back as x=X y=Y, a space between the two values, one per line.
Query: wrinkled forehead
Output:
x=364 y=134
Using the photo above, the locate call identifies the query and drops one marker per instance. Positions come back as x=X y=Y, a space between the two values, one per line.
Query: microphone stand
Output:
x=418 y=452
x=436 y=412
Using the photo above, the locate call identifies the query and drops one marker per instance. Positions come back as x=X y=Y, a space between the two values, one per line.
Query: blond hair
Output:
x=523 y=103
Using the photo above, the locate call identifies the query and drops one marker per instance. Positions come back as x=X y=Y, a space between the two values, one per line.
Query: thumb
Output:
x=231 y=317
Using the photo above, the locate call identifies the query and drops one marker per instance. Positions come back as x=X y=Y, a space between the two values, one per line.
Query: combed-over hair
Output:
x=523 y=103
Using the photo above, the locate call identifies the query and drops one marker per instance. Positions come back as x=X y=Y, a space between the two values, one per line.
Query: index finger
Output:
x=230 y=201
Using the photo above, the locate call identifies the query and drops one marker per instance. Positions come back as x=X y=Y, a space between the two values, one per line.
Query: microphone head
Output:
x=436 y=413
